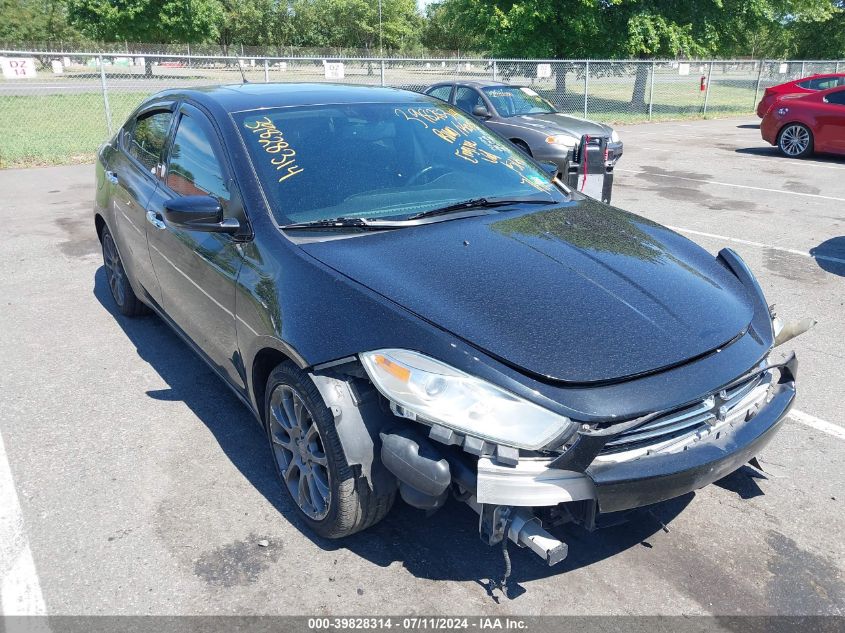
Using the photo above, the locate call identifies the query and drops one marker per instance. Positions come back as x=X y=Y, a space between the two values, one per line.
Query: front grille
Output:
x=692 y=422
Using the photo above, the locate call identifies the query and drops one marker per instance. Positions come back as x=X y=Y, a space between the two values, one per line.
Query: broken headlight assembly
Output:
x=426 y=389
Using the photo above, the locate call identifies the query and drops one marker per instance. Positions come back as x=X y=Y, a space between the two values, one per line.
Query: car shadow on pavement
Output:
x=444 y=546
x=830 y=255
x=749 y=126
x=772 y=151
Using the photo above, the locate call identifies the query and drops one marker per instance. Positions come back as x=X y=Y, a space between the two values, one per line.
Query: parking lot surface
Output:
x=142 y=486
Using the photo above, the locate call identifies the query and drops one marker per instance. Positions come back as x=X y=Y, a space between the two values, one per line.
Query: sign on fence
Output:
x=683 y=69
x=334 y=70
x=57 y=67
x=544 y=70
x=18 y=68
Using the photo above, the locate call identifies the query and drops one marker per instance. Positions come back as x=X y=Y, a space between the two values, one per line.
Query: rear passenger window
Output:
x=148 y=137
x=441 y=92
x=195 y=169
x=837 y=97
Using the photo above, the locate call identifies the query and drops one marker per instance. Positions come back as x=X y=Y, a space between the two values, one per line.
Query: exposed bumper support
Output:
x=526 y=530
x=530 y=483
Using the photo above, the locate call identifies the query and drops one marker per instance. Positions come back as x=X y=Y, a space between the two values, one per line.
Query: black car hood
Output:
x=582 y=293
x=561 y=123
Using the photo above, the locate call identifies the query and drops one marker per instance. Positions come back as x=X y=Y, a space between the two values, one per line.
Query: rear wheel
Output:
x=121 y=290
x=795 y=140
x=332 y=497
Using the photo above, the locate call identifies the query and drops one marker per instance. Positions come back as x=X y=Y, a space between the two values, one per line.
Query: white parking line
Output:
x=20 y=593
x=817 y=423
x=782 y=249
x=730 y=184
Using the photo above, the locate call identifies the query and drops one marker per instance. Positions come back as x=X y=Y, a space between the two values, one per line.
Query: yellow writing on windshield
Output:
x=422 y=115
x=271 y=139
x=475 y=144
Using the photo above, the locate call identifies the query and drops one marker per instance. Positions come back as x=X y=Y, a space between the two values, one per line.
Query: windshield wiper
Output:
x=343 y=223
x=477 y=203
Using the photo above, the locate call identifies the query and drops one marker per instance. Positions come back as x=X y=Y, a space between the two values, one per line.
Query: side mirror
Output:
x=481 y=112
x=199 y=213
x=549 y=167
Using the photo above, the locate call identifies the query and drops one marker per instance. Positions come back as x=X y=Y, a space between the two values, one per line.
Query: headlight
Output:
x=441 y=394
x=562 y=139
x=614 y=136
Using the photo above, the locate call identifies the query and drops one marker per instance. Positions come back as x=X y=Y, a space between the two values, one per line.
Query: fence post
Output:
x=105 y=94
x=586 y=85
x=382 y=71
x=802 y=68
x=651 y=91
x=836 y=68
x=495 y=71
x=266 y=71
x=707 y=92
x=759 y=79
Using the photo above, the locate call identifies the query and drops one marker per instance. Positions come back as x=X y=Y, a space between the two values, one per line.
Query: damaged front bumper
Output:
x=620 y=466
x=619 y=481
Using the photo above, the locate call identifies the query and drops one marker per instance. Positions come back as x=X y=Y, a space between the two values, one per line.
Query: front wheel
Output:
x=795 y=141
x=331 y=496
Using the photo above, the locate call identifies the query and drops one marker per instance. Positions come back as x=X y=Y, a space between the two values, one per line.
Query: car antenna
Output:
x=241 y=68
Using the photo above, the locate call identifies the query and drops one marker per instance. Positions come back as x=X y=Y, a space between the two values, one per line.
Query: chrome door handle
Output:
x=111 y=177
x=154 y=219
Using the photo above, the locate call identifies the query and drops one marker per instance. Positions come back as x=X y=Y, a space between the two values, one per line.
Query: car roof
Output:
x=474 y=84
x=817 y=76
x=249 y=96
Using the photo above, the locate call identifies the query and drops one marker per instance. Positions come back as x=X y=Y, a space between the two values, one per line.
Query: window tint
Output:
x=837 y=97
x=147 y=139
x=441 y=92
x=380 y=160
x=194 y=168
x=822 y=83
x=514 y=101
x=467 y=98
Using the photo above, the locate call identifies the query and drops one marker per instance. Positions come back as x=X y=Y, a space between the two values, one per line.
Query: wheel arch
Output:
x=523 y=145
x=99 y=225
x=783 y=126
x=263 y=363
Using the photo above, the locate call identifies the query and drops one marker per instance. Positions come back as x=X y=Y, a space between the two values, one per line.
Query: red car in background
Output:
x=807 y=85
x=800 y=124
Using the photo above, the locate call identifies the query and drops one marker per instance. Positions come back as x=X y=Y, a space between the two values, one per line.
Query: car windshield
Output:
x=513 y=101
x=381 y=160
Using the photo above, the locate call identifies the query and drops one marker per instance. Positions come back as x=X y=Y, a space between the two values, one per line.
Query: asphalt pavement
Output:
x=133 y=482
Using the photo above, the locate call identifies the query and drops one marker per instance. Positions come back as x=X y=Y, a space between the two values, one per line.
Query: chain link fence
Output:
x=58 y=107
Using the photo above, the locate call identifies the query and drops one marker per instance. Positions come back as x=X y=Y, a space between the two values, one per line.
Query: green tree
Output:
x=643 y=29
x=148 y=20
x=35 y=21
x=820 y=39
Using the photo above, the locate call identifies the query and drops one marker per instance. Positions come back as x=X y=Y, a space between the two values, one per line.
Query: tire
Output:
x=522 y=145
x=795 y=140
x=121 y=290
x=332 y=497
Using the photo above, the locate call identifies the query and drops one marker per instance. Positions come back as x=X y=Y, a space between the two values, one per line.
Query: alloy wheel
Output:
x=794 y=140
x=299 y=452
x=114 y=269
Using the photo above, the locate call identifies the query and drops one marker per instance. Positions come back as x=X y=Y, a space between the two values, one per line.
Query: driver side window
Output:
x=194 y=168
x=467 y=98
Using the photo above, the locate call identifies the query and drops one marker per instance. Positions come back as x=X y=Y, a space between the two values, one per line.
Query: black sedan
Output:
x=407 y=304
